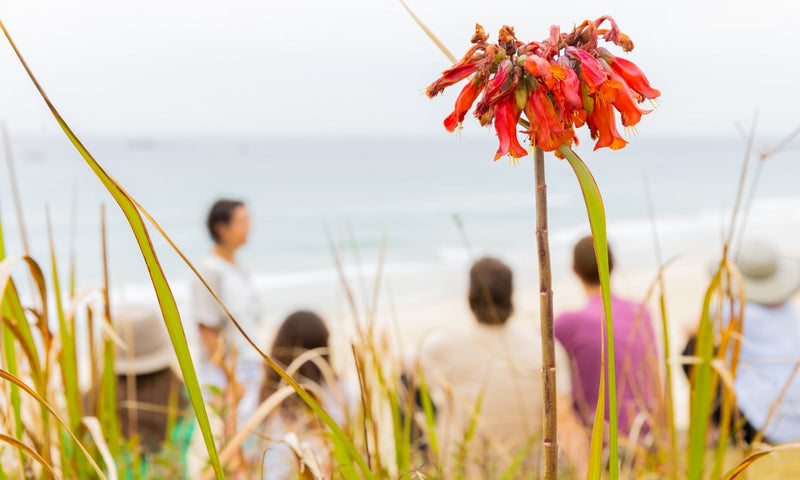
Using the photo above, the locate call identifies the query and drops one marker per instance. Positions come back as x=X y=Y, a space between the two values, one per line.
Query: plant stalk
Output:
x=550 y=436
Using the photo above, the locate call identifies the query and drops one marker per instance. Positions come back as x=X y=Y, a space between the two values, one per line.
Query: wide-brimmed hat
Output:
x=769 y=277
x=147 y=347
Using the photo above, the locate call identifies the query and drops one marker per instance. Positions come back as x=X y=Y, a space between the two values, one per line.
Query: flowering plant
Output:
x=560 y=84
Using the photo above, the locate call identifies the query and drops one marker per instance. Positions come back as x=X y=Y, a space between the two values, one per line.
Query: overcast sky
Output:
x=358 y=67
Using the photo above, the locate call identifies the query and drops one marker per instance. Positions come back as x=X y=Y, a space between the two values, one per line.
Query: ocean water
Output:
x=309 y=196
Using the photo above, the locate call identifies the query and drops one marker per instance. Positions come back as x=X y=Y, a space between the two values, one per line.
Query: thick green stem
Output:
x=550 y=436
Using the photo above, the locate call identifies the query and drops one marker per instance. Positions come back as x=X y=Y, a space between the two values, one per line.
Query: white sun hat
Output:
x=147 y=348
x=769 y=277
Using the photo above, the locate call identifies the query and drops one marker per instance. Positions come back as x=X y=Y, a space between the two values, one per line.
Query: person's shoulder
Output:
x=442 y=344
x=571 y=317
x=634 y=307
x=443 y=337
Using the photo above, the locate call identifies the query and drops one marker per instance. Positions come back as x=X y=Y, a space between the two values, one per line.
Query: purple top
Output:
x=636 y=355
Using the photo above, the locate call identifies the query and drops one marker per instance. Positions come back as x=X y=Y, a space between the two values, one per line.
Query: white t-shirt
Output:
x=234 y=286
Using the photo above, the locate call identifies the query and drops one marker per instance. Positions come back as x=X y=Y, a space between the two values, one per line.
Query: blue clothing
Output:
x=770 y=348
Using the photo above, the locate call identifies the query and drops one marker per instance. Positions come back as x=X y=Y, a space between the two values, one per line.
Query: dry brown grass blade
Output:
x=740 y=190
x=744 y=464
x=428 y=32
x=267 y=406
x=12 y=177
x=31 y=453
x=15 y=380
x=774 y=407
x=757 y=177
x=781 y=145
x=337 y=261
x=95 y=430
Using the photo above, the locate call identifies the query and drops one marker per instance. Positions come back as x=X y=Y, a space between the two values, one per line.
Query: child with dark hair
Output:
x=580 y=332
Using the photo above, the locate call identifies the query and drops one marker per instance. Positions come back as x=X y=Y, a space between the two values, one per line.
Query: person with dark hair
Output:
x=497 y=363
x=302 y=331
x=635 y=349
x=224 y=349
x=302 y=347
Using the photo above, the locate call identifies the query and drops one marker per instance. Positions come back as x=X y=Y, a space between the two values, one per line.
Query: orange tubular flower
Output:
x=572 y=89
x=464 y=102
x=539 y=67
x=546 y=126
x=451 y=76
x=494 y=89
x=591 y=71
x=506 y=117
x=631 y=74
x=626 y=105
x=634 y=77
x=604 y=127
x=562 y=83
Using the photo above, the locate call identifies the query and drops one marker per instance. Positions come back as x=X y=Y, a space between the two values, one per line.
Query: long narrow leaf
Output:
x=702 y=385
x=68 y=357
x=30 y=452
x=165 y=298
x=597 y=221
x=339 y=435
x=737 y=470
x=16 y=381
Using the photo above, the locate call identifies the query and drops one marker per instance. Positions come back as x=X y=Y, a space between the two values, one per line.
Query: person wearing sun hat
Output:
x=146 y=381
x=769 y=346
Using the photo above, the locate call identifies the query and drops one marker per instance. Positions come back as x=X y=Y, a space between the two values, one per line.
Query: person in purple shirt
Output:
x=636 y=354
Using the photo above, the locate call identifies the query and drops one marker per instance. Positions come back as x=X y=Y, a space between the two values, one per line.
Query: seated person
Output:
x=767 y=389
x=150 y=395
x=301 y=347
x=635 y=350
x=500 y=363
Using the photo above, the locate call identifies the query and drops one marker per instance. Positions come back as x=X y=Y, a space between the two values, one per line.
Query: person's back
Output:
x=769 y=351
x=488 y=376
x=301 y=346
x=151 y=397
x=770 y=346
x=635 y=348
x=501 y=366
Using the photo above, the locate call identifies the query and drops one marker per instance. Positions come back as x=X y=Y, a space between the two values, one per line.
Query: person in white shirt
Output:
x=225 y=348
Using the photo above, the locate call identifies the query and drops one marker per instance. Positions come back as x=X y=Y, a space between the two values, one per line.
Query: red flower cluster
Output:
x=560 y=84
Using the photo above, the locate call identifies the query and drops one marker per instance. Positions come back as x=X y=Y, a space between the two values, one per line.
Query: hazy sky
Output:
x=357 y=67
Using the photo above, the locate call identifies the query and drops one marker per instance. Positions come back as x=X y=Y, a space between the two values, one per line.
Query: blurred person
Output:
x=769 y=349
x=150 y=395
x=499 y=364
x=302 y=347
x=635 y=350
x=226 y=353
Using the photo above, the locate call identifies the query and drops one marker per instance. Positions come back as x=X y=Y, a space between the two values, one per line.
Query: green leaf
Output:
x=597 y=221
x=703 y=385
x=22 y=385
x=165 y=298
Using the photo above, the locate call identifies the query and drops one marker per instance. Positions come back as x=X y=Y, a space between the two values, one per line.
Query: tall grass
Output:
x=49 y=431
